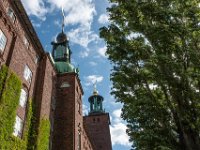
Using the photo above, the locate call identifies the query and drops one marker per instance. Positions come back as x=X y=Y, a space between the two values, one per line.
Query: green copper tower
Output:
x=96 y=103
x=62 y=53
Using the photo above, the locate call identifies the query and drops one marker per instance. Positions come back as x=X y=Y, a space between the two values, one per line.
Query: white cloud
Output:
x=118 y=134
x=82 y=36
x=92 y=63
x=85 y=109
x=77 y=12
x=103 y=19
x=81 y=13
x=89 y=80
x=102 y=51
x=118 y=130
x=117 y=115
x=36 y=8
x=84 y=53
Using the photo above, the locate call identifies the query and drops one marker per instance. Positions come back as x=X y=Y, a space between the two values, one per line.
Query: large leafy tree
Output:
x=154 y=46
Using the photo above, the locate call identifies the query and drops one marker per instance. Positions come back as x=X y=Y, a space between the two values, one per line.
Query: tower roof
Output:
x=96 y=102
x=61 y=37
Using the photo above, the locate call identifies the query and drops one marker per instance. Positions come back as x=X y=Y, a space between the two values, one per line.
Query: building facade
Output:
x=52 y=84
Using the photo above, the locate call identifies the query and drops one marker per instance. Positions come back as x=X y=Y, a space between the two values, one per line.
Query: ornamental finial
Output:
x=95 y=92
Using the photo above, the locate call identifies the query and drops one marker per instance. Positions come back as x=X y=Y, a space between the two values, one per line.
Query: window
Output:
x=79 y=108
x=27 y=74
x=18 y=127
x=11 y=14
x=3 y=41
x=26 y=42
x=37 y=59
x=79 y=139
x=23 y=98
x=59 y=52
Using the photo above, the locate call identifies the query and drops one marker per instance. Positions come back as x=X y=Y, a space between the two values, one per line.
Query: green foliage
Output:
x=8 y=104
x=3 y=76
x=9 y=101
x=155 y=49
x=21 y=144
x=43 y=135
x=32 y=140
x=16 y=143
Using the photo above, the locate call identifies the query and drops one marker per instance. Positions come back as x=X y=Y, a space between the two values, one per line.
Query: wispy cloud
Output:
x=84 y=53
x=103 y=19
x=77 y=12
x=36 y=8
x=91 y=79
x=85 y=109
x=92 y=63
x=102 y=51
x=81 y=14
x=82 y=36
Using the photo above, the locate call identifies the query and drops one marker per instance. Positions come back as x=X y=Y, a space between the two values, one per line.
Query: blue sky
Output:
x=82 y=22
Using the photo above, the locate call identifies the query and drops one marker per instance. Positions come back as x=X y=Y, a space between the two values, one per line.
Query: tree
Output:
x=154 y=46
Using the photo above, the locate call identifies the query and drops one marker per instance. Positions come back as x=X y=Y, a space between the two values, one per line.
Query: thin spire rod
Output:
x=63 y=21
x=95 y=92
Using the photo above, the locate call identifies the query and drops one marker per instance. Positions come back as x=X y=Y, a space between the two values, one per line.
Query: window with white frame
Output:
x=11 y=14
x=26 y=42
x=27 y=74
x=18 y=127
x=23 y=98
x=3 y=41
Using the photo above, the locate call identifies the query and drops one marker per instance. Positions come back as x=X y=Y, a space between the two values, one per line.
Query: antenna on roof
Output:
x=63 y=21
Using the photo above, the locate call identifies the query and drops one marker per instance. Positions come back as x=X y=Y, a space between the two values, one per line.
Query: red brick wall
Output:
x=97 y=127
x=68 y=118
x=16 y=55
x=48 y=88
x=86 y=144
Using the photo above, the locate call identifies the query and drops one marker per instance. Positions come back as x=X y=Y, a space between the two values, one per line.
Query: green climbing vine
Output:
x=43 y=135
x=9 y=100
x=3 y=76
x=21 y=144
x=10 y=88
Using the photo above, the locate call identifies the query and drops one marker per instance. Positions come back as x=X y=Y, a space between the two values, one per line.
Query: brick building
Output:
x=52 y=84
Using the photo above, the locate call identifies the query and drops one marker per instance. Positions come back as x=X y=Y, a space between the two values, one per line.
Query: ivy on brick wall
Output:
x=9 y=100
x=10 y=88
x=3 y=76
x=43 y=135
x=21 y=144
